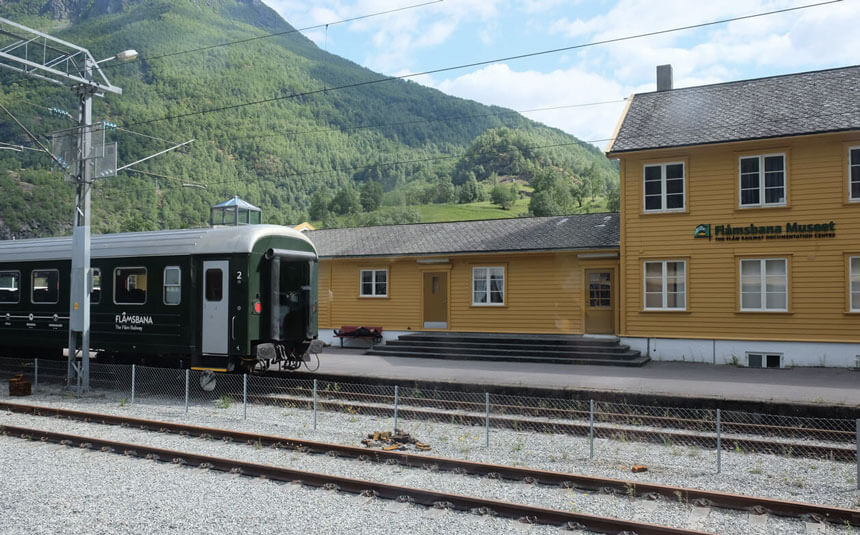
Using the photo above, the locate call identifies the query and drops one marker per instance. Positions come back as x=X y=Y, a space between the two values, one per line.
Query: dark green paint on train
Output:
x=224 y=298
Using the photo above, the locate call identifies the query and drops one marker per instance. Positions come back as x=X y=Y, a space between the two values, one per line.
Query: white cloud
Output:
x=498 y=85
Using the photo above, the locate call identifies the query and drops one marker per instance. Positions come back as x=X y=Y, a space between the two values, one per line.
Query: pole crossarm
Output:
x=40 y=55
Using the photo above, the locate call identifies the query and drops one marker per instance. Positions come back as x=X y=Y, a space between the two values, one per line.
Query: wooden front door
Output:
x=599 y=299
x=436 y=300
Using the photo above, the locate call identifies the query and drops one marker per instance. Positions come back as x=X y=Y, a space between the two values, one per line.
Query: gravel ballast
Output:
x=55 y=489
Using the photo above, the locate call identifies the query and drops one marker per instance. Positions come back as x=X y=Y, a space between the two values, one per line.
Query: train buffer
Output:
x=374 y=334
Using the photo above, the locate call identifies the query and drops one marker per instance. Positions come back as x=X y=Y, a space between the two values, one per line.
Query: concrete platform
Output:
x=701 y=384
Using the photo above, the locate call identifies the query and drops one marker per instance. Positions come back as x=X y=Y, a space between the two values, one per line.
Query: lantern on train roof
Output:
x=235 y=212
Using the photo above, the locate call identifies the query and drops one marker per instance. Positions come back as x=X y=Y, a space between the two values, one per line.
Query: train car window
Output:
x=46 y=286
x=10 y=286
x=96 y=293
x=129 y=286
x=172 y=285
x=214 y=285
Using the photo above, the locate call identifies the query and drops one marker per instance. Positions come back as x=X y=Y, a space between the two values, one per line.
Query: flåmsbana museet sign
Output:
x=753 y=232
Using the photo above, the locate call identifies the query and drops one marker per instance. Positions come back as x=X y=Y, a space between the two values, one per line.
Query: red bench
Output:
x=374 y=334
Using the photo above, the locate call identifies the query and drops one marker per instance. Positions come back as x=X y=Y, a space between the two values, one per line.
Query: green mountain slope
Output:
x=307 y=140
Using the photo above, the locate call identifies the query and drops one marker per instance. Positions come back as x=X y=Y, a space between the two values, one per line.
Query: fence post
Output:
x=187 y=373
x=133 y=371
x=719 y=443
x=396 y=400
x=245 y=396
x=591 y=429
x=487 y=419
x=315 y=404
x=35 y=374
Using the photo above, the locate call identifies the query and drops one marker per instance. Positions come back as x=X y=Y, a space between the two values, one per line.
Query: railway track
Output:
x=612 y=486
x=429 y=498
x=639 y=415
x=641 y=424
x=605 y=427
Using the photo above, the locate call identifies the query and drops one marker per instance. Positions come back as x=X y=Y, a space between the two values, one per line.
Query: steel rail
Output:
x=658 y=436
x=846 y=435
x=616 y=486
x=424 y=497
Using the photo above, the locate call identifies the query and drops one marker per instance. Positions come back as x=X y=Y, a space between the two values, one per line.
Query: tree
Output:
x=470 y=191
x=346 y=201
x=445 y=191
x=543 y=204
x=319 y=205
x=371 y=195
x=504 y=196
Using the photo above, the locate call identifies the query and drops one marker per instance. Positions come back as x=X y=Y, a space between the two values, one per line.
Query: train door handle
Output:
x=233 y=328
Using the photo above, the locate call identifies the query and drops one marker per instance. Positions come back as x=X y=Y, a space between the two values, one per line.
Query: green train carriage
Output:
x=222 y=298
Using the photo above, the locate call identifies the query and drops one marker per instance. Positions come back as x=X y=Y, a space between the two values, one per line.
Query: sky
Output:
x=586 y=86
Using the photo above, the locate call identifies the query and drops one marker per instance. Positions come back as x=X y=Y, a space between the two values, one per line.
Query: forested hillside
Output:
x=312 y=149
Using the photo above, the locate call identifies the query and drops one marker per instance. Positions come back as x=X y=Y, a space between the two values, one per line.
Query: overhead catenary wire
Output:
x=353 y=85
x=277 y=34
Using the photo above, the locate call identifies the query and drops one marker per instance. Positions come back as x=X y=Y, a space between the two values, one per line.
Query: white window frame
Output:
x=850 y=166
x=373 y=283
x=762 y=203
x=663 y=193
x=663 y=284
x=165 y=286
x=853 y=284
x=762 y=284
x=764 y=355
x=487 y=291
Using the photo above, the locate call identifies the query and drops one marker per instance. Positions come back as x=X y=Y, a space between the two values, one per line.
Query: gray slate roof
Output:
x=588 y=231
x=778 y=106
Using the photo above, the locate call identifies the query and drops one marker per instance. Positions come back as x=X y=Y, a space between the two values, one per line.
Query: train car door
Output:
x=216 y=330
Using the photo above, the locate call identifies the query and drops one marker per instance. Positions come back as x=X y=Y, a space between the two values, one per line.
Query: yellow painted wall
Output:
x=817 y=192
x=543 y=293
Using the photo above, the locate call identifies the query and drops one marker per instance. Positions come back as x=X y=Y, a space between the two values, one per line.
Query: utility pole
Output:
x=42 y=56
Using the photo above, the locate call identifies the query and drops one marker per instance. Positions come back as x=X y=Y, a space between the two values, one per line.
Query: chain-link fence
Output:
x=545 y=429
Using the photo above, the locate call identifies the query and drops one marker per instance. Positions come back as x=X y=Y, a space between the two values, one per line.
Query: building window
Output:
x=764 y=360
x=762 y=180
x=854 y=274
x=46 y=286
x=664 y=187
x=172 y=285
x=599 y=289
x=488 y=286
x=374 y=283
x=854 y=172
x=666 y=285
x=764 y=285
x=129 y=286
x=10 y=286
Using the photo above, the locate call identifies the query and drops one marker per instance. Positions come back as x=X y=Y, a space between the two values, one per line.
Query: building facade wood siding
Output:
x=543 y=292
x=817 y=192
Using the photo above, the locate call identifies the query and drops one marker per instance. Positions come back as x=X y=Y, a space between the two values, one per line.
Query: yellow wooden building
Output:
x=524 y=275
x=740 y=221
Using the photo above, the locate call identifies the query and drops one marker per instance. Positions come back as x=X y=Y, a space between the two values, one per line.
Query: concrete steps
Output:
x=512 y=348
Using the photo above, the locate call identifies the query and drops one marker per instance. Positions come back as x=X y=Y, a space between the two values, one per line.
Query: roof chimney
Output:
x=664 y=77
